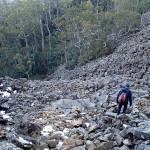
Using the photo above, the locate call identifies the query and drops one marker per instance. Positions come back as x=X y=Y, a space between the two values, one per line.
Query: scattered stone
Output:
x=127 y=142
x=52 y=143
x=8 y=146
x=147 y=112
x=142 y=147
x=77 y=123
x=119 y=140
x=93 y=128
x=105 y=146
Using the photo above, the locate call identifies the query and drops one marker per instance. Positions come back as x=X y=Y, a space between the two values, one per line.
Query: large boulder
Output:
x=28 y=128
x=68 y=103
x=140 y=133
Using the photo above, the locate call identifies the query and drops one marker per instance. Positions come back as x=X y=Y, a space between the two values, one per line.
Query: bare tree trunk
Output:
x=18 y=43
x=24 y=34
x=97 y=9
x=50 y=16
x=42 y=34
x=66 y=52
x=137 y=3
x=26 y=40
x=49 y=32
x=57 y=9
x=35 y=40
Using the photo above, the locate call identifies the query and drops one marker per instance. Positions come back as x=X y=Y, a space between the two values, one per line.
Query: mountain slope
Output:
x=131 y=58
x=76 y=110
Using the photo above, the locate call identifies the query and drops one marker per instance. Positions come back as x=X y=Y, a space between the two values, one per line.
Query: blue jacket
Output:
x=130 y=95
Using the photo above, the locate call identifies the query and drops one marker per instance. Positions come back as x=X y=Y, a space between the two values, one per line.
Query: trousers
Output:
x=120 y=106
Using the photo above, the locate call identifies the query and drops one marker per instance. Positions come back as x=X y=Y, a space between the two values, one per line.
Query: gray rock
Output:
x=127 y=142
x=79 y=148
x=106 y=137
x=8 y=146
x=147 y=112
x=124 y=148
x=110 y=114
x=141 y=133
x=123 y=133
x=142 y=147
x=143 y=116
x=28 y=128
x=5 y=106
x=93 y=128
x=22 y=143
x=119 y=140
x=68 y=103
x=3 y=100
x=67 y=111
x=95 y=136
x=105 y=146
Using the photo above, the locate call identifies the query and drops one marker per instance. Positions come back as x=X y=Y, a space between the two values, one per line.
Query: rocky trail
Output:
x=76 y=110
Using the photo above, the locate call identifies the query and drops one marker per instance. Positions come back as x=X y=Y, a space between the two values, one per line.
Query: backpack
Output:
x=123 y=96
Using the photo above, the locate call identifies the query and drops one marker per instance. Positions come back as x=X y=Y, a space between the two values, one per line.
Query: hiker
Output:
x=123 y=97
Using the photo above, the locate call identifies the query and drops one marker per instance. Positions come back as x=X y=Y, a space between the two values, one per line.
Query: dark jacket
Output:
x=129 y=92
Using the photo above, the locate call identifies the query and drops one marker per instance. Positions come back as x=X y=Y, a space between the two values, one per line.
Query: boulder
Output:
x=127 y=142
x=52 y=143
x=147 y=112
x=124 y=148
x=8 y=146
x=22 y=143
x=141 y=133
x=90 y=145
x=28 y=128
x=119 y=140
x=68 y=103
x=105 y=146
x=68 y=144
x=76 y=123
x=79 y=148
x=142 y=147
x=93 y=128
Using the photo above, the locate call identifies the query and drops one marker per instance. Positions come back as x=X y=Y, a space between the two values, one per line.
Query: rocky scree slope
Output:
x=131 y=58
x=78 y=111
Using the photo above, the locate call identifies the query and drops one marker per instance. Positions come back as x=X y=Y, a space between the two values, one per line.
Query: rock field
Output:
x=76 y=110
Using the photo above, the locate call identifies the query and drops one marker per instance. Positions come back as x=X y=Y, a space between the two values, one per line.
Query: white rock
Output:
x=6 y=117
x=59 y=146
x=25 y=143
x=46 y=130
x=2 y=112
x=5 y=94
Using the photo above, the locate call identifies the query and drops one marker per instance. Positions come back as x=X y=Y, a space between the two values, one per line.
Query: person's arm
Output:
x=130 y=98
x=118 y=96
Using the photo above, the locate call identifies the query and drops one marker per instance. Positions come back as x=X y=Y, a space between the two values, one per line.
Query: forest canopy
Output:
x=36 y=36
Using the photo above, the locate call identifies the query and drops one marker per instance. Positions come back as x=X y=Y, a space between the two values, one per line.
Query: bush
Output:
x=144 y=7
x=70 y=65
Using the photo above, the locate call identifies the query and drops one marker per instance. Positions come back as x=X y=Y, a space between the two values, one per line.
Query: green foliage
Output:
x=37 y=36
x=144 y=6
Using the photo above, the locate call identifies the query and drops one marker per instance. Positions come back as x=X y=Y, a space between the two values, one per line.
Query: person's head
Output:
x=127 y=85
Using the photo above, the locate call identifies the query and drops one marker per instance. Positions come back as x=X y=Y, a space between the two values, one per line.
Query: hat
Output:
x=127 y=85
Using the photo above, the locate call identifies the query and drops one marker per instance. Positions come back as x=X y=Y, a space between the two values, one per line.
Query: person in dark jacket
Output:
x=129 y=93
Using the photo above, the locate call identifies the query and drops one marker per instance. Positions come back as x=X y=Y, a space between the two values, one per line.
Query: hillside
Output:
x=76 y=110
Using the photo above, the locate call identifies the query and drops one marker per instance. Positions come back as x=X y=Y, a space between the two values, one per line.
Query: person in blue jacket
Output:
x=129 y=98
